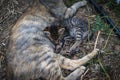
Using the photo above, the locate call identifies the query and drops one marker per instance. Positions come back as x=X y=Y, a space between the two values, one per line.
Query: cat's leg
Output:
x=70 y=64
x=79 y=40
x=76 y=73
x=74 y=47
x=73 y=9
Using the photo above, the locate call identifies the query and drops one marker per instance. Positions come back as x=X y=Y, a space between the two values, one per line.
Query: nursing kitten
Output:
x=77 y=28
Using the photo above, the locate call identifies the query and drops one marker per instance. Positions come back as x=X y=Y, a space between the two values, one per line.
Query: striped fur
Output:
x=77 y=28
x=31 y=54
x=60 y=10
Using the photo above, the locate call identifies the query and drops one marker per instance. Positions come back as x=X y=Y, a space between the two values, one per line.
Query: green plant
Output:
x=99 y=25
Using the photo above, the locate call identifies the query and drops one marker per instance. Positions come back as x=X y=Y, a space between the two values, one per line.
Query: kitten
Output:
x=77 y=28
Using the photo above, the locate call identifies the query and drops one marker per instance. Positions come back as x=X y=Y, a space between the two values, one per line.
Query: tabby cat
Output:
x=31 y=54
x=77 y=28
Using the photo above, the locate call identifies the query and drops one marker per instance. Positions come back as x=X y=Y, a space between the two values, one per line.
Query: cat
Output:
x=31 y=54
x=60 y=10
x=77 y=28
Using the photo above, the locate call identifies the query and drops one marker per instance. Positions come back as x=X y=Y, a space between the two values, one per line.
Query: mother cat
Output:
x=31 y=54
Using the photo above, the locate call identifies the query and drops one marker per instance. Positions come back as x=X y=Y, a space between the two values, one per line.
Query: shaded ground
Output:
x=104 y=67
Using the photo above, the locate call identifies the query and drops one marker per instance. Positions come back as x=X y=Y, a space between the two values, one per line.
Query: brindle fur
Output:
x=60 y=10
x=31 y=54
x=78 y=29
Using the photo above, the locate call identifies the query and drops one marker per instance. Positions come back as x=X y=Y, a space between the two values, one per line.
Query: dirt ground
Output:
x=105 y=66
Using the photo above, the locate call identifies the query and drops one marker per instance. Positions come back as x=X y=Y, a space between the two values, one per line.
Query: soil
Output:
x=105 y=66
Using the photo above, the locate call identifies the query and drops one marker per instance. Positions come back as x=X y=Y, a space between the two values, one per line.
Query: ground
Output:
x=105 y=66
